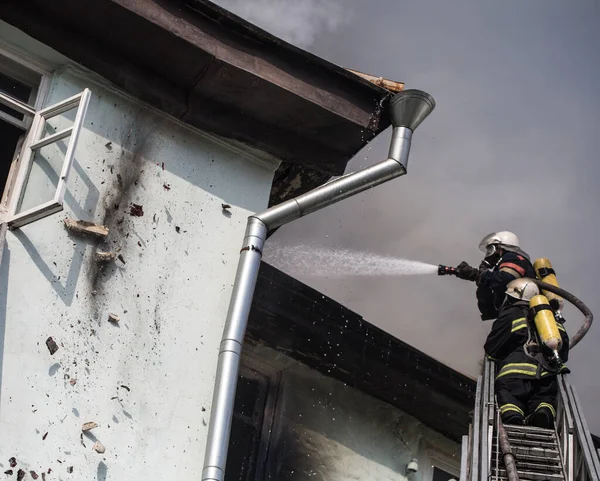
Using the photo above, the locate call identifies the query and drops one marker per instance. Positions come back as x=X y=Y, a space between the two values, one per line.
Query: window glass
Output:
x=15 y=89
x=40 y=185
x=59 y=122
x=441 y=475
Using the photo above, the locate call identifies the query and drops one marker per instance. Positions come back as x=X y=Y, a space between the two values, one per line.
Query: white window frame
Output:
x=43 y=70
x=34 y=142
x=36 y=102
x=19 y=106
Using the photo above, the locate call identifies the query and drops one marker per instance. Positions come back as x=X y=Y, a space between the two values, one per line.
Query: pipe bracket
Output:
x=230 y=345
x=212 y=473
x=251 y=248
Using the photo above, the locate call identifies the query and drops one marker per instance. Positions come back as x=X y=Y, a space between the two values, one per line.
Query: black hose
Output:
x=589 y=317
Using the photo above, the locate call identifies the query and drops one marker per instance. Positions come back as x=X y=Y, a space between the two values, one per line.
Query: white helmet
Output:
x=506 y=240
x=522 y=289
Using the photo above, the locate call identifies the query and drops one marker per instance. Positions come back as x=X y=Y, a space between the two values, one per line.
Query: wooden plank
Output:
x=82 y=228
x=391 y=85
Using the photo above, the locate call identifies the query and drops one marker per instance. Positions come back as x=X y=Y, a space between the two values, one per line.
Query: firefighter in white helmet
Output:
x=504 y=261
x=525 y=389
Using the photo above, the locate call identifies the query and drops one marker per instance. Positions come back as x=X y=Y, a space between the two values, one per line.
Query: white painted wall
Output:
x=171 y=295
x=325 y=430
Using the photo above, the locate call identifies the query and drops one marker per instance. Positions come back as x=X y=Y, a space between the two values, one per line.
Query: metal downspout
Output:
x=408 y=109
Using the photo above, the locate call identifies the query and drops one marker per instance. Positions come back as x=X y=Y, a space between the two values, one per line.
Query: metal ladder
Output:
x=538 y=456
x=564 y=453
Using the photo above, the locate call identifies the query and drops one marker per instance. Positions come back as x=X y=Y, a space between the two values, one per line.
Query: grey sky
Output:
x=512 y=145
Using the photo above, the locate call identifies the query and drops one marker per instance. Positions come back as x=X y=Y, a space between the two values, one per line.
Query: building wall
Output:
x=147 y=381
x=320 y=429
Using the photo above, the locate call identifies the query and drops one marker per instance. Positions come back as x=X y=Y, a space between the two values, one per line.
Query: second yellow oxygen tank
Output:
x=545 y=273
x=545 y=322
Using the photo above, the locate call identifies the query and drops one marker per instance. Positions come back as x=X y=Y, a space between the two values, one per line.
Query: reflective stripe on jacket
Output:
x=527 y=370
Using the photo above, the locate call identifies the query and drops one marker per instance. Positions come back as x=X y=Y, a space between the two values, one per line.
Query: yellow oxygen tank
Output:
x=545 y=323
x=545 y=273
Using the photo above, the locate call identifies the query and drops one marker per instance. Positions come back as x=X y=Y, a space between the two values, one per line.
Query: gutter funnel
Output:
x=410 y=107
x=407 y=110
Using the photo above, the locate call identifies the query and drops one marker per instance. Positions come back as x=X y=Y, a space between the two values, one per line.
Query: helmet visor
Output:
x=490 y=250
x=487 y=241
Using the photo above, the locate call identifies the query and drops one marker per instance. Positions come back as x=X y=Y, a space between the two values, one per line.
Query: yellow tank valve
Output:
x=545 y=323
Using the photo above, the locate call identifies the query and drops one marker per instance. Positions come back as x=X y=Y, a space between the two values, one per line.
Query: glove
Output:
x=466 y=272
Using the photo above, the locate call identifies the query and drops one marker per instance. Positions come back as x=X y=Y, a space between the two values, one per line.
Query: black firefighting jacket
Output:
x=491 y=285
x=504 y=344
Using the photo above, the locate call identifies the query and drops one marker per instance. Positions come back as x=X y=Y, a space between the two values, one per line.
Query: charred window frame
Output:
x=254 y=412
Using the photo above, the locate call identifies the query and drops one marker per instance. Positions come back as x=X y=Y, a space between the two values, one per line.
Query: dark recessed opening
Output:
x=441 y=475
x=9 y=135
x=16 y=90
x=21 y=84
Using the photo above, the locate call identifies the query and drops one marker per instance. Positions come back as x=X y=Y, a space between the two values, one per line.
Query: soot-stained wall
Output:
x=324 y=430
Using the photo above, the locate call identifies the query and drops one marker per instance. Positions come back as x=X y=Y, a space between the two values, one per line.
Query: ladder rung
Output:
x=534 y=468
x=533 y=476
x=504 y=478
x=492 y=477
x=543 y=459
x=533 y=451
x=538 y=436
x=539 y=461
x=533 y=443
x=527 y=429
x=539 y=467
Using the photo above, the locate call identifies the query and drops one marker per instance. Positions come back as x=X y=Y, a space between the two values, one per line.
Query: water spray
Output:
x=314 y=261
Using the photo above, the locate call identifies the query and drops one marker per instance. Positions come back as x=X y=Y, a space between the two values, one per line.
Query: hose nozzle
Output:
x=446 y=271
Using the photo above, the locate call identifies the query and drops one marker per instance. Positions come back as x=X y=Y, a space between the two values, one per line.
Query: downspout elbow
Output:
x=400 y=146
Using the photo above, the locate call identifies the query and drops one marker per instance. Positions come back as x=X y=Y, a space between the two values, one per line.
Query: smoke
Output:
x=511 y=145
x=299 y=22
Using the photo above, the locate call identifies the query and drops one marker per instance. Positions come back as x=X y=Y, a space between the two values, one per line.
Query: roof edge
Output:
x=230 y=19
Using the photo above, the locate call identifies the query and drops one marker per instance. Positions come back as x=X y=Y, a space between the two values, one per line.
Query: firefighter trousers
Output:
x=527 y=401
